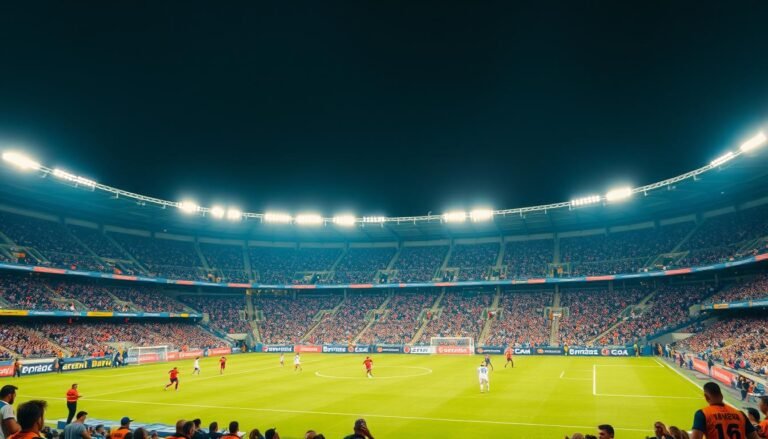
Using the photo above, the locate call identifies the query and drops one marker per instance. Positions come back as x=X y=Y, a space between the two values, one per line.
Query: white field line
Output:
x=353 y=415
x=562 y=373
x=614 y=395
x=700 y=387
x=594 y=379
x=645 y=396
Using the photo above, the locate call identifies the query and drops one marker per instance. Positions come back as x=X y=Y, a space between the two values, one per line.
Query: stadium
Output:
x=605 y=314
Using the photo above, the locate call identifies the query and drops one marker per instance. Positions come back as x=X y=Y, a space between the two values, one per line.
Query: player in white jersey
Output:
x=482 y=375
x=197 y=366
x=296 y=363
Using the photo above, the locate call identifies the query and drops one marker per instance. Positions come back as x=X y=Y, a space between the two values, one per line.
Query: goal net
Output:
x=453 y=345
x=147 y=354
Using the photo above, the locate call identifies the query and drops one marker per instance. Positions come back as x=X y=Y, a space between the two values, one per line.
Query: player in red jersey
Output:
x=508 y=354
x=368 y=367
x=222 y=365
x=174 y=373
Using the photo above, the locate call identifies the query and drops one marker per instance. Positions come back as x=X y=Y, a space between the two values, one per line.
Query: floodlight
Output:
x=754 y=142
x=583 y=201
x=481 y=215
x=722 y=159
x=344 y=220
x=275 y=217
x=234 y=214
x=188 y=206
x=619 y=194
x=20 y=161
x=64 y=175
x=217 y=212
x=309 y=219
x=455 y=217
x=374 y=219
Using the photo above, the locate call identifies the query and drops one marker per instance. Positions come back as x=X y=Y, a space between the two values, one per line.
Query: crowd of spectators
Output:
x=474 y=260
x=669 y=308
x=419 y=264
x=462 y=315
x=359 y=265
x=225 y=313
x=28 y=292
x=280 y=265
x=526 y=259
x=95 y=297
x=346 y=323
x=167 y=258
x=620 y=252
x=147 y=298
x=400 y=321
x=227 y=260
x=51 y=239
x=717 y=239
x=750 y=289
x=287 y=318
x=24 y=342
x=521 y=320
x=593 y=311
x=739 y=342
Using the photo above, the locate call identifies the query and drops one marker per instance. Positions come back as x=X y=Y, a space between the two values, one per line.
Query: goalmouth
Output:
x=453 y=345
x=147 y=354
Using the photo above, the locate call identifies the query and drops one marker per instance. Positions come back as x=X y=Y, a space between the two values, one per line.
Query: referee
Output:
x=72 y=397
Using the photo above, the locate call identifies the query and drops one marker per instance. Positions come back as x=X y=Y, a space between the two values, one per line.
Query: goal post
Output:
x=453 y=345
x=147 y=354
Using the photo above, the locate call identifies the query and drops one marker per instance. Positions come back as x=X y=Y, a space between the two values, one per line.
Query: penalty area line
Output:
x=353 y=415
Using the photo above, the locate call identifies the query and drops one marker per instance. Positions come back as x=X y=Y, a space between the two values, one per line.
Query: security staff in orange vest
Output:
x=720 y=421
x=125 y=428
x=72 y=397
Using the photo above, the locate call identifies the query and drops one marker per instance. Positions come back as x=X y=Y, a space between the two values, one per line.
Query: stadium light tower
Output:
x=478 y=215
x=722 y=159
x=234 y=214
x=455 y=217
x=758 y=140
x=217 y=212
x=189 y=207
x=309 y=219
x=21 y=161
x=619 y=194
x=344 y=220
x=277 y=218
x=583 y=201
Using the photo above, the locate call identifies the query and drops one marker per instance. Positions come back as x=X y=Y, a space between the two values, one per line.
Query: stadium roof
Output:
x=742 y=179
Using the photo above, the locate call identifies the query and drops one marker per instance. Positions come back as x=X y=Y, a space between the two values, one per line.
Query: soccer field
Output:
x=410 y=396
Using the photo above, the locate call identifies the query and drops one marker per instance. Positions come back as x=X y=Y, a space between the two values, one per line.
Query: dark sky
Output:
x=380 y=107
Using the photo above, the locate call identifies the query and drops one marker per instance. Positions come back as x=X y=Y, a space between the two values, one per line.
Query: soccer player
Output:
x=282 y=359
x=488 y=361
x=508 y=354
x=368 y=367
x=720 y=421
x=174 y=373
x=197 y=366
x=222 y=365
x=482 y=375
x=297 y=363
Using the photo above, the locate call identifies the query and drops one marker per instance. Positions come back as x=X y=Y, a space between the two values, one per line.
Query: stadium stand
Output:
x=461 y=315
x=359 y=265
x=226 y=313
x=400 y=321
x=29 y=293
x=287 y=319
x=280 y=265
x=591 y=312
x=474 y=260
x=521 y=321
x=226 y=261
x=739 y=342
x=342 y=326
x=524 y=259
x=163 y=257
x=754 y=288
x=147 y=298
x=417 y=264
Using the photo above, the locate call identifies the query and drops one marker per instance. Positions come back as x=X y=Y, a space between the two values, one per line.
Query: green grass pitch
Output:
x=410 y=396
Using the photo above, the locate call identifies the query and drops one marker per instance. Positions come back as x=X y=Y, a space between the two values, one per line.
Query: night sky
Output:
x=380 y=107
